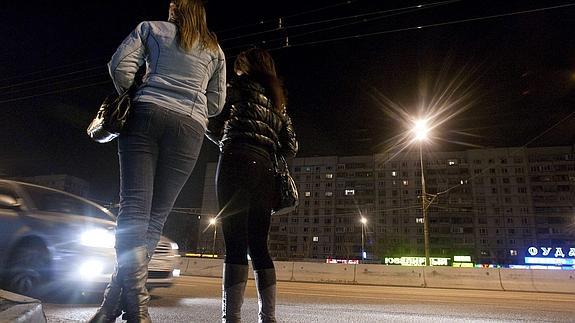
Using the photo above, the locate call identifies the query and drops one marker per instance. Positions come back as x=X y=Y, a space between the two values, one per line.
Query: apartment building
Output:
x=491 y=204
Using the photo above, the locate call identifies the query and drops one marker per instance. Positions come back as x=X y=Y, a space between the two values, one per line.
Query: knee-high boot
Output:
x=132 y=275
x=233 y=287
x=111 y=307
x=266 y=287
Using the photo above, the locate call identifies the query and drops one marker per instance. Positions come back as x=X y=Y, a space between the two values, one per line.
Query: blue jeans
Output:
x=157 y=151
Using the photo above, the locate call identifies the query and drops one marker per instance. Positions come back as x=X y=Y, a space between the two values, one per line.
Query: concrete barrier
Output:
x=528 y=280
x=320 y=272
x=204 y=267
x=465 y=278
x=284 y=270
x=556 y=281
x=517 y=279
x=389 y=275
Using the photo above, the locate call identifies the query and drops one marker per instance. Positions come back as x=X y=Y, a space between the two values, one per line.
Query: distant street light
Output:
x=213 y=222
x=420 y=133
x=363 y=223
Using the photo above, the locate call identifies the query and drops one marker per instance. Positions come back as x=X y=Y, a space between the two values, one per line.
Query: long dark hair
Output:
x=190 y=17
x=259 y=64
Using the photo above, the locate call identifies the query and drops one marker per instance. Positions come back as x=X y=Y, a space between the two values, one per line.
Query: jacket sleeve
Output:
x=288 y=140
x=128 y=58
x=216 y=124
x=216 y=89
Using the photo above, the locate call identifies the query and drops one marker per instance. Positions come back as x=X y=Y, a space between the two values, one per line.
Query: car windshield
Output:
x=53 y=201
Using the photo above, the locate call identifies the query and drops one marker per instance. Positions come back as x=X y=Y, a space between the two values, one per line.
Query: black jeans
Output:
x=246 y=193
x=157 y=151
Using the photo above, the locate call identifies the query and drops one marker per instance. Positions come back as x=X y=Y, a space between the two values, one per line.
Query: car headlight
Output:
x=101 y=238
x=174 y=246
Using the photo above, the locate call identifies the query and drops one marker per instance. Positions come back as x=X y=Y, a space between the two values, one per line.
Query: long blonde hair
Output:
x=190 y=17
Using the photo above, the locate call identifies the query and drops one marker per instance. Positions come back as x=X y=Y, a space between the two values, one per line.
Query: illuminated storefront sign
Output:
x=556 y=252
x=342 y=261
x=550 y=261
x=416 y=261
x=557 y=256
x=462 y=258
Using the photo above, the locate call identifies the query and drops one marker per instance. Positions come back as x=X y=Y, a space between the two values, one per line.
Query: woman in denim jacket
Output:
x=183 y=85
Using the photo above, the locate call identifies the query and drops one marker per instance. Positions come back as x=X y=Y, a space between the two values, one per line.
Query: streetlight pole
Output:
x=363 y=222
x=213 y=222
x=420 y=131
x=424 y=208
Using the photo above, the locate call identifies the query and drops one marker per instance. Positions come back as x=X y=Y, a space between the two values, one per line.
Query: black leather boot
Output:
x=266 y=287
x=233 y=287
x=133 y=274
x=111 y=308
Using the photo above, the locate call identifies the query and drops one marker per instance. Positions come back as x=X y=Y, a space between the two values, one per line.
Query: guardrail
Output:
x=503 y=279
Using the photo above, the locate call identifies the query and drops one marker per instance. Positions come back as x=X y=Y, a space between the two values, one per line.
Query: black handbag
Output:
x=111 y=117
x=288 y=200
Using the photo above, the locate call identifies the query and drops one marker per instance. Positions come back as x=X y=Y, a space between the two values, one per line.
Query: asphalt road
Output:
x=196 y=299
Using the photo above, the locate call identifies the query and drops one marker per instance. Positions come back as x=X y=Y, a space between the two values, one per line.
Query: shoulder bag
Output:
x=288 y=195
x=111 y=117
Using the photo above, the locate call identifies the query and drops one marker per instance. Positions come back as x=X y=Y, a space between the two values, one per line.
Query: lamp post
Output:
x=420 y=131
x=213 y=222
x=363 y=223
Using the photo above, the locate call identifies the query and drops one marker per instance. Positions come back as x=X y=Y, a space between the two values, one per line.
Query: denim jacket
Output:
x=192 y=83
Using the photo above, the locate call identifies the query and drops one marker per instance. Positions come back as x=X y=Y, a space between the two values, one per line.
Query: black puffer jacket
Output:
x=249 y=118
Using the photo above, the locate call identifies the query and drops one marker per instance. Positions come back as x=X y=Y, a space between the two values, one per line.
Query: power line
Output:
x=289 y=16
x=428 y=26
x=51 y=77
x=51 y=69
x=54 y=92
x=397 y=11
x=9 y=92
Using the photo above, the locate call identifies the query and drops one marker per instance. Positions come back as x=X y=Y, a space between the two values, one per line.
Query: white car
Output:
x=52 y=239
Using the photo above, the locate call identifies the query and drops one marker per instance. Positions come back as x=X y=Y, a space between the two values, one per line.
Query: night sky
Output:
x=506 y=69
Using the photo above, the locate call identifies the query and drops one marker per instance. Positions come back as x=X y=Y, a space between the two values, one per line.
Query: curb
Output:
x=21 y=309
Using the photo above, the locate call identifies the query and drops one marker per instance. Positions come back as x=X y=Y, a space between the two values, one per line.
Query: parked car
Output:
x=53 y=239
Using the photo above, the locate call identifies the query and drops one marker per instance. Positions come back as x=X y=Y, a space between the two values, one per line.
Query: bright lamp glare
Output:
x=363 y=220
x=212 y=221
x=420 y=129
x=90 y=269
x=100 y=238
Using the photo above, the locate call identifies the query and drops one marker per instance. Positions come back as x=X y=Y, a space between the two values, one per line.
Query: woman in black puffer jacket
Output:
x=253 y=124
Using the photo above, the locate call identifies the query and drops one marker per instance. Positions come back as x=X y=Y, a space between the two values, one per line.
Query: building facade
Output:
x=491 y=204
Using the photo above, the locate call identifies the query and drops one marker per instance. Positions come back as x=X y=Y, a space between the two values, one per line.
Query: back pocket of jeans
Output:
x=139 y=120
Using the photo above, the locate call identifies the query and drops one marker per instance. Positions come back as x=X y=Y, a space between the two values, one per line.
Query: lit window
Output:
x=328 y=193
x=315 y=239
x=329 y=175
x=405 y=182
x=418 y=220
x=394 y=173
x=349 y=192
x=307 y=194
x=513 y=252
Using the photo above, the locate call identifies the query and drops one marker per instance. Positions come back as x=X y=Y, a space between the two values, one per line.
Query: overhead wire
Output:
x=397 y=11
x=358 y=36
x=289 y=16
x=446 y=23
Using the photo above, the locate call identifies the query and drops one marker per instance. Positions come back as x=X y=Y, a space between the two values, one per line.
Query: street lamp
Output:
x=420 y=133
x=213 y=222
x=363 y=223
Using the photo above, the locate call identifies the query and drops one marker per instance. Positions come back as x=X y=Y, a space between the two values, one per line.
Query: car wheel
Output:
x=28 y=269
